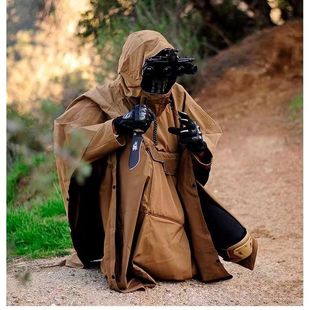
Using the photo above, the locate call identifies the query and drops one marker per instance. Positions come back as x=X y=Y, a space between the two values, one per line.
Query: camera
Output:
x=160 y=72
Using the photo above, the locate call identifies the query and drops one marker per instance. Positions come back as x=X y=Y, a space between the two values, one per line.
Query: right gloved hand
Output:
x=139 y=118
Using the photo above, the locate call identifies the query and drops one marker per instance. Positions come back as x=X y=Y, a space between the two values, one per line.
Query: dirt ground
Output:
x=257 y=175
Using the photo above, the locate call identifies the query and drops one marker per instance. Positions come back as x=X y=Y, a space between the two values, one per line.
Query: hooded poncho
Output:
x=146 y=223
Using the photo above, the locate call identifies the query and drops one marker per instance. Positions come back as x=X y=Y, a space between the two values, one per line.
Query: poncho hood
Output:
x=138 y=47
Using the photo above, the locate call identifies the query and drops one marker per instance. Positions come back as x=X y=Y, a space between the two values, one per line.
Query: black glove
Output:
x=139 y=118
x=189 y=134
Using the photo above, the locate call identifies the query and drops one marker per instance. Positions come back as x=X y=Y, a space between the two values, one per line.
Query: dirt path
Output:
x=257 y=174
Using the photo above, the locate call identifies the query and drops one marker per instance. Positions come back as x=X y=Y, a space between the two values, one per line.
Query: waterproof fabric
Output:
x=146 y=223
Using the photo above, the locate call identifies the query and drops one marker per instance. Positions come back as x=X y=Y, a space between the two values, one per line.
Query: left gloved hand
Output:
x=189 y=133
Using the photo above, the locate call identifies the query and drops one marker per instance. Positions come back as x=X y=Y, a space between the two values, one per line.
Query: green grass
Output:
x=36 y=227
x=33 y=236
x=51 y=208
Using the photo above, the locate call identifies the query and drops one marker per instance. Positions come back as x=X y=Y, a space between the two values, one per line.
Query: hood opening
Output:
x=138 y=47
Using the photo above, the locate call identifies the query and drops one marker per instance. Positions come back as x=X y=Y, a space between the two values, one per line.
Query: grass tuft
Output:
x=296 y=106
x=34 y=235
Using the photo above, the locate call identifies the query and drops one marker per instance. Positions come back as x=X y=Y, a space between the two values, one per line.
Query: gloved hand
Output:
x=189 y=133
x=140 y=117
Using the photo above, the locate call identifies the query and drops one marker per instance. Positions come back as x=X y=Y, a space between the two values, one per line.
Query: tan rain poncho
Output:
x=147 y=223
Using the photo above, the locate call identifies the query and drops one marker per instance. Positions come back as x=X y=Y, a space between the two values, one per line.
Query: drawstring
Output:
x=155 y=138
x=143 y=100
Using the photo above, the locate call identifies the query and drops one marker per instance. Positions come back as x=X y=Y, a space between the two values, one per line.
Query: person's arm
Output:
x=87 y=132
x=202 y=165
x=191 y=136
x=211 y=132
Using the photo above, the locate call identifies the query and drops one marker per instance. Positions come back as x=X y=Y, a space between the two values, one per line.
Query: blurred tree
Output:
x=42 y=45
x=26 y=17
x=108 y=23
x=222 y=22
x=197 y=27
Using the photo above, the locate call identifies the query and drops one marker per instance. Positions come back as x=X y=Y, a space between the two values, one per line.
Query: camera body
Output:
x=160 y=72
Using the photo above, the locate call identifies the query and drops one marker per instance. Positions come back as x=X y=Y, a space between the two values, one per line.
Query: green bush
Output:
x=30 y=134
x=18 y=170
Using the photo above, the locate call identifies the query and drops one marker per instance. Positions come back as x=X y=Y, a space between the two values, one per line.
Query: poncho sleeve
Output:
x=211 y=133
x=83 y=133
x=87 y=123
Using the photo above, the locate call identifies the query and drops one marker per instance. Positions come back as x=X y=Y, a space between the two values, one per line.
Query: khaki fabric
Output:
x=151 y=216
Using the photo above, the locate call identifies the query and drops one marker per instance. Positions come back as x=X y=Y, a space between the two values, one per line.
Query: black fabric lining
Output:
x=85 y=216
x=225 y=230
